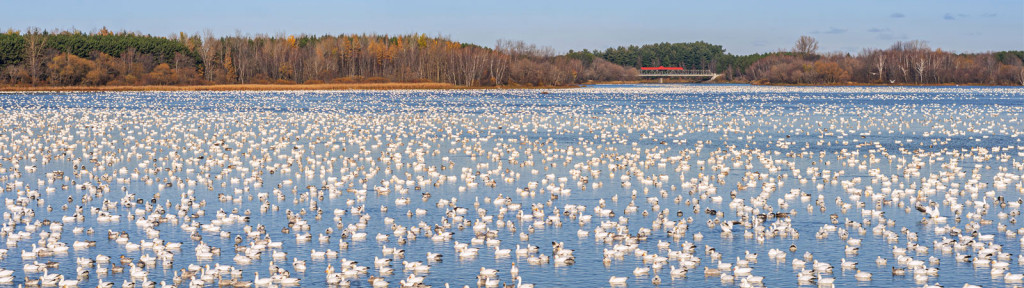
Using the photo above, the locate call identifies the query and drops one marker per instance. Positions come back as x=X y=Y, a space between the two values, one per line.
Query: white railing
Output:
x=677 y=73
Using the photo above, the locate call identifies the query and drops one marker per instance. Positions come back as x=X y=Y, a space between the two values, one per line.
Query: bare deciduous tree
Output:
x=34 y=53
x=806 y=45
x=1020 y=76
x=208 y=53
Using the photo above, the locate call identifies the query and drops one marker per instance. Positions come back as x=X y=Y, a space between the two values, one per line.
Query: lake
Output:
x=622 y=176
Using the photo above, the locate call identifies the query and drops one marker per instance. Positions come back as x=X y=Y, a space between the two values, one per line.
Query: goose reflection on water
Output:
x=192 y=187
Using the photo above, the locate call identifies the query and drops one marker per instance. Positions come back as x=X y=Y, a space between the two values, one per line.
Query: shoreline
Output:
x=848 y=84
x=405 y=86
x=851 y=84
x=267 y=87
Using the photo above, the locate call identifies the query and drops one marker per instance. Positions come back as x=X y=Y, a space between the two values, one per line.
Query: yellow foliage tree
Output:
x=229 y=66
x=68 y=69
x=291 y=41
x=161 y=75
x=830 y=72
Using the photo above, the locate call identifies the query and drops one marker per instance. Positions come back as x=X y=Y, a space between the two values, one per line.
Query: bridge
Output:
x=663 y=72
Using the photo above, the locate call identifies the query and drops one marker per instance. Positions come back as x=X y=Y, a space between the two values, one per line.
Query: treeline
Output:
x=696 y=55
x=693 y=55
x=911 y=62
x=67 y=58
x=60 y=59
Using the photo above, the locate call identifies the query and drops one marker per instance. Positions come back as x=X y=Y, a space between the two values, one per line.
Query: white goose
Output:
x=262 y=282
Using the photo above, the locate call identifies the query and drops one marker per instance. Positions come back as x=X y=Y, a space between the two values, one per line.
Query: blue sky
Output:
x=741 y=26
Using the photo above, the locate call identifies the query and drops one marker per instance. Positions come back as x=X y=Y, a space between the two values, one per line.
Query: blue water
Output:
x=620 y=129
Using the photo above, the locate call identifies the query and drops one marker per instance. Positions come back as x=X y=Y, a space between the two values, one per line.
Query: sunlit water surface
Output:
x=702 y=145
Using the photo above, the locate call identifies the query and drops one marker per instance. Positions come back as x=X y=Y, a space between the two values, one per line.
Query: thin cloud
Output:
x=988 y=15
x=891 y=36
x=897 y=15
x=878 y=30
x=831 y=30
x=948 y=16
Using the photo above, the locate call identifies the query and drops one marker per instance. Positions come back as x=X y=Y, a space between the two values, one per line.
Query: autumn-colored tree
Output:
x=291 y=41
x=161 y=75
x=184 y=69
x=15 y=74
x=103 y=71
x=229 y=67
x=67 y=69
x=830 y=72
x=123 y=58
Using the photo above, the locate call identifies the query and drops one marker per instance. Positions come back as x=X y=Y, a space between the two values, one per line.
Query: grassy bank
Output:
x=242 y=87
x=387 y=86
x=763 y=83
x=267 y=87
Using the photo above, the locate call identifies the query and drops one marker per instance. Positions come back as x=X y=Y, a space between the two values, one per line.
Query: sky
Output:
x=740 y=26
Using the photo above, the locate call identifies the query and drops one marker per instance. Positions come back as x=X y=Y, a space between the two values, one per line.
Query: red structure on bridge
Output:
x=663 y=71
x=662 y=68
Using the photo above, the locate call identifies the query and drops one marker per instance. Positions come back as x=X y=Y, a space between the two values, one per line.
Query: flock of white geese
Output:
x=603 y=186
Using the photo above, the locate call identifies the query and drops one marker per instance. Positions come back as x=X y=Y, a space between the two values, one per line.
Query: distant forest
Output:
x=105 y=58
x=70 y=58
x=905 y=62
